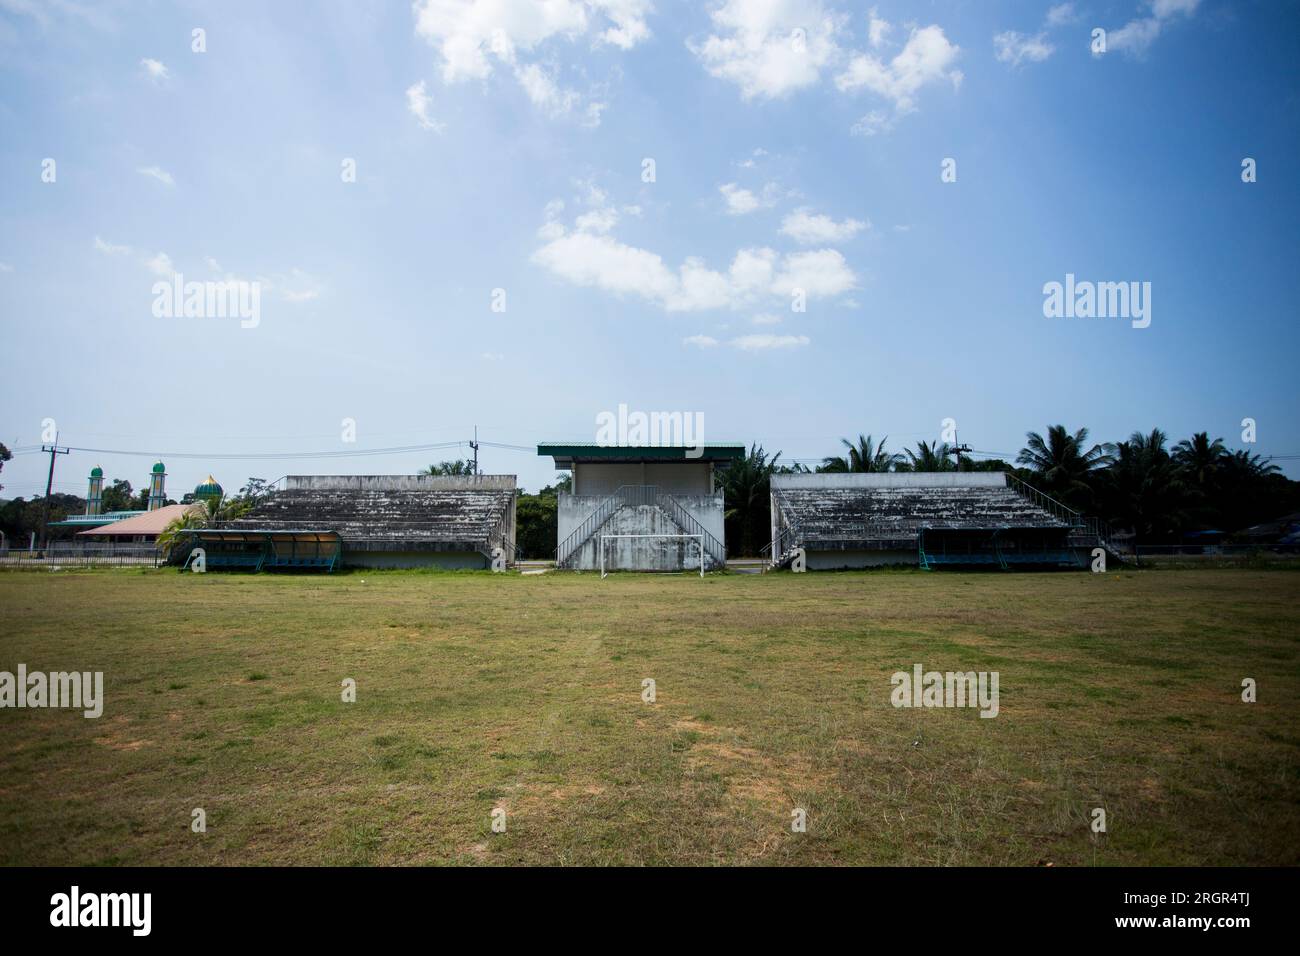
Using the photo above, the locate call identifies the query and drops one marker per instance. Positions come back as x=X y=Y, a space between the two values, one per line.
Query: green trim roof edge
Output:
x=674 y=452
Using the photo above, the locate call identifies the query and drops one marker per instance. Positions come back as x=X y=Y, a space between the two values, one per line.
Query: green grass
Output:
x=478 y=691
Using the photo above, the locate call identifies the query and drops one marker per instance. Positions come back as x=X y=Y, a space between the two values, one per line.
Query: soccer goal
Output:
x=699 y=538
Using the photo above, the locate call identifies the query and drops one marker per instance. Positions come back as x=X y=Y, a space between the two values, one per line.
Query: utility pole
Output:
x=474 y=445
x=957 y=450
x=54 y=451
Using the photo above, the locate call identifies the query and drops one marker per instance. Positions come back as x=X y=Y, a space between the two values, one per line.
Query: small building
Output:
x=652 y=508
x=142 y=527
x=929 y=520
x=382 y=521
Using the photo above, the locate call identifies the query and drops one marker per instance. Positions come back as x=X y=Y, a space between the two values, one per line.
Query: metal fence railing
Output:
x=65 y=554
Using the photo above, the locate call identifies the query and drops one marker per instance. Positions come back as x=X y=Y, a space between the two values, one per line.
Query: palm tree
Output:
x=457 y=467
x=206 y=513
x=191 y=520
x=1252 y=466
x=1060 y=465
x=930 y=457
x=865 y=456
x=746 y=489
x=1145 y=488
x=1200 y=458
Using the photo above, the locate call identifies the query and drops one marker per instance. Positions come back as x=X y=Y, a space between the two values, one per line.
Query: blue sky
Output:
x=797 y=145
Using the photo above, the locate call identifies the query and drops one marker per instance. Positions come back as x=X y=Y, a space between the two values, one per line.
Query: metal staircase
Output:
x=689 y=525
x=1084 y=531
x=635 y=496
x=788 y=537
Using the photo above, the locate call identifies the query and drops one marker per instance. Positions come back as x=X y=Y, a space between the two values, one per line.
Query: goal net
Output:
x=606 y=538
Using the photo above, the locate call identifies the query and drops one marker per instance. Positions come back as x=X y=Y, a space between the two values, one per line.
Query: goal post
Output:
x=604 y=537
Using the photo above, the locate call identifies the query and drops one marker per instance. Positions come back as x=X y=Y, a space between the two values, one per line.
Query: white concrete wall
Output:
x=656 y=555
x=642 y=554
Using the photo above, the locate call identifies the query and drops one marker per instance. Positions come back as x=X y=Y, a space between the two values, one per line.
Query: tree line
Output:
x=1157 y=490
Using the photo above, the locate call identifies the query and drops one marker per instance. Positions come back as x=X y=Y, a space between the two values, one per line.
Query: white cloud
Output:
x=493 y=356
x=807 y=228
x=158 y=173
x=628 y=17
x=739 y=201
x=110 y=249
x=872 y=123
x=770 y=48
x=545 y=93
x=877 y=29
x=821 y=273
x=473 y=37
x=155 y=70
x=1061 y=14
x=700 y=341
x=212 y=264
x=1136 y=36
x=925 y=59
x=761 y=341
x=418 y=102
x=1014 y=48
x=767 y=318
x=6 y=267
x=294 y=287
x=161 y=265
x=596 y=259
x=597 y=220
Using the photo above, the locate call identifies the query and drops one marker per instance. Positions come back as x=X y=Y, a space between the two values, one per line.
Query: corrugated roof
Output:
x=151 y=522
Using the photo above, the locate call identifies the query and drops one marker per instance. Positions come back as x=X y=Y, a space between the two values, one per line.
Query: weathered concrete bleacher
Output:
x=859 y=520
x=398 y=520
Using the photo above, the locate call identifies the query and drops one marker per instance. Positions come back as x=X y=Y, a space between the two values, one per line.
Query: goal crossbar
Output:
x=698 y=537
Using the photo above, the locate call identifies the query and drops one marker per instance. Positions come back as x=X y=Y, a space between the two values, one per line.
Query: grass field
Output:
x=477 y=692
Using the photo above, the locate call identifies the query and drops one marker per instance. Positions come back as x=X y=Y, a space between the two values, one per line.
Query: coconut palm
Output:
x=1060 y=465
x=457 y=467
x=746 y=490
x=932 y=456
x=1145 y=488
x=191 y=520
x=865 y=456
x=1200 y=458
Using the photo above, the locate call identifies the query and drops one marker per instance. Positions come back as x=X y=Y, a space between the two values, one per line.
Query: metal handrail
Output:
x=785 y=536
x=690 y=524
x=1045 y=502
x=625 y=495
x=1092 y=527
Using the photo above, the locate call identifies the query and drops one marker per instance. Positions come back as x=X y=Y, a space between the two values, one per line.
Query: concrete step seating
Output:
x=433 y=515
x=899 y=513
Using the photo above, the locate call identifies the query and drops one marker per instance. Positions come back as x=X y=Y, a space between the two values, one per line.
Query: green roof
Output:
x=158 y=469
x=565 y=453
x=97 y=472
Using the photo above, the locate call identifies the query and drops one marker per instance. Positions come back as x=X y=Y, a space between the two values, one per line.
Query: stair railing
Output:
x=691 y=525
x=626 y=496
